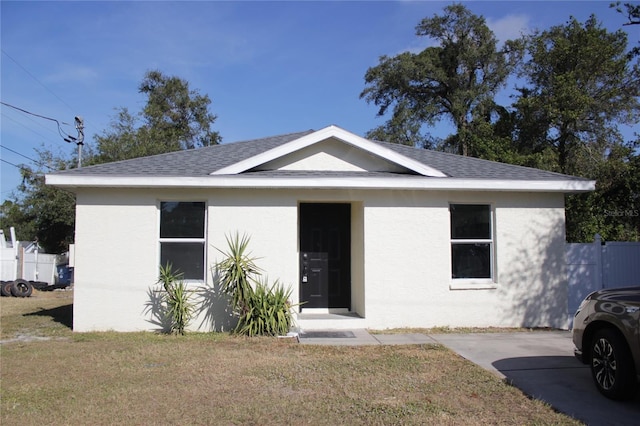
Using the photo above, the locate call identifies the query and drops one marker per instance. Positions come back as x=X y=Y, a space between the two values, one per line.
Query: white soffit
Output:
x=324 y=134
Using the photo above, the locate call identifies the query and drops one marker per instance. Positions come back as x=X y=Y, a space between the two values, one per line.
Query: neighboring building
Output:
x=379 y=235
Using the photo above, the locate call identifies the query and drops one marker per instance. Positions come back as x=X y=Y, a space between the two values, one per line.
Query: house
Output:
x=367 y=234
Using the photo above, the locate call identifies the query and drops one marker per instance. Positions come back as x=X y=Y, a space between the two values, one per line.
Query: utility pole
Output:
x=80 y=141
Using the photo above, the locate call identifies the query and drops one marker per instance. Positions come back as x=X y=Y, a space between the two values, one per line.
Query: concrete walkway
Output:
x=540 y=363
x=360 y=337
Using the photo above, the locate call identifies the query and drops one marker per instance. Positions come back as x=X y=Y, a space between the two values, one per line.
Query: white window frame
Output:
x=202 y=240
x=475 y=283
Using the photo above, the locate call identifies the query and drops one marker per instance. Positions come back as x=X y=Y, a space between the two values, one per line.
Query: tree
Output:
x=404 y=128
x=174 y=117
x=42 y=212
x=632 y=11
x=633 y=18
x=456 y=80
x=581 y=85
x=11 y=215
x=613 y=209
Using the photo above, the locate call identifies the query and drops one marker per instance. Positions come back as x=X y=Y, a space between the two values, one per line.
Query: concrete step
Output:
x=329 y=321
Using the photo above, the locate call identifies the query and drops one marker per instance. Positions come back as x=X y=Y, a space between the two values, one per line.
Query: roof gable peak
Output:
x=329 y=132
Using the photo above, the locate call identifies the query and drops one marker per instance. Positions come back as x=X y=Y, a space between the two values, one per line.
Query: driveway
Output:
x=542 y=365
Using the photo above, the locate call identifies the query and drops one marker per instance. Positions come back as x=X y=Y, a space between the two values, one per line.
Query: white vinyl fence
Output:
x=28 y=266
x=598 y=265
x=8 y=264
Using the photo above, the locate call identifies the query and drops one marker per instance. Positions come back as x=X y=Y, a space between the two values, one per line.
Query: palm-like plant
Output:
x=262 y=309
x=180 y=309
x=237 y=271
x=269 y=311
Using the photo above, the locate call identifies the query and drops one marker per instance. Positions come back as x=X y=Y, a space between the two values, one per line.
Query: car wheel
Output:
x=21 y=288
x=611 y=365
x=5 y=289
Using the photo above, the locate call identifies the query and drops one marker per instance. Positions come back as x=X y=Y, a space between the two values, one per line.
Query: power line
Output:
x=39 y=82
x=46 y=138
x=60 y=131
x=14 y=165
x=33 y=113
x=28 y=158
x=79 y=141
x=26 y=169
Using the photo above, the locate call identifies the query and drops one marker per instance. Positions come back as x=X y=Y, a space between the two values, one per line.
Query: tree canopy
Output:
x=41 y=212
x=173 y=118
x=578 y=84
x=457 y=79
x=632 y=12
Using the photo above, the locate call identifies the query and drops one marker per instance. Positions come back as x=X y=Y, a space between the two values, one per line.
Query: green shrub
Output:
x=237 y=271
x=269 y=312
x=179 y=308
x=261 y=309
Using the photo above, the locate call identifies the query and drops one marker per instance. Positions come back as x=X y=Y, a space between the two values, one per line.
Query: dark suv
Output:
x=606 y=333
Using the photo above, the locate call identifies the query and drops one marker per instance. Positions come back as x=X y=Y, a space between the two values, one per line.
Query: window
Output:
x=182 y=238
x=471 y=241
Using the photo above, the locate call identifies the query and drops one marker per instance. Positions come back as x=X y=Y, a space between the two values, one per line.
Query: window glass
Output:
x=471 y=241
x=182 y=238
x=470 y=221
x=471 y=260
x=182 y=220
x=187 y=258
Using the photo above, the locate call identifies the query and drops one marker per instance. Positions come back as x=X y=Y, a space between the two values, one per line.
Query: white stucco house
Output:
x=368 y=234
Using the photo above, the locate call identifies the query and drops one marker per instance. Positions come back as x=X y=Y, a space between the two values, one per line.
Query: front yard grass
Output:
x=146 y=378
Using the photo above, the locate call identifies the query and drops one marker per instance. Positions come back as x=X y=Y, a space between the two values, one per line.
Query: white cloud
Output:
x=72 y=73
x=509 y=27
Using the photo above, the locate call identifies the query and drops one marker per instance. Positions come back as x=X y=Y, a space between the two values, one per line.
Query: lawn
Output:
x=146 y=378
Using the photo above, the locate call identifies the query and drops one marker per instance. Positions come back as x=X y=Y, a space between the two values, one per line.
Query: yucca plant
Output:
x=261 y=309
x=237 y=271
x=269 y=311
x=177 y=297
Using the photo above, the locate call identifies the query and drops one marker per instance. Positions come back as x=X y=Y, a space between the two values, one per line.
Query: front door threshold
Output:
x=329 y=321
x=337 y=311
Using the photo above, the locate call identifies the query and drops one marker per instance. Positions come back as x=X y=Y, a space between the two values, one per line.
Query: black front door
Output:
x=325 y=255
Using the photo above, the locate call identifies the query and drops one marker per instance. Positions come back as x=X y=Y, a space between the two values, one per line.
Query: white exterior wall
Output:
x=408 y=263
x=401 y=264
x=332 y=155
x=116 y=259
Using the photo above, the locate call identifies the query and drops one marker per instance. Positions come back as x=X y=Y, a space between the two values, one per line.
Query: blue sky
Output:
x=268 y=67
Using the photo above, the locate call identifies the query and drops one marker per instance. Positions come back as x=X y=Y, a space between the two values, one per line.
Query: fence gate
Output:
x=598 y=265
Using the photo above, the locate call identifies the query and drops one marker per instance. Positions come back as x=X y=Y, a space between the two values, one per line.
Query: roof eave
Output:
x=364 y=182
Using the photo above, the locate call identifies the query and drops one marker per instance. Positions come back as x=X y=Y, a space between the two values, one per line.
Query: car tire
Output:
x=21 y=288
x=612 y=367
x=5 y=289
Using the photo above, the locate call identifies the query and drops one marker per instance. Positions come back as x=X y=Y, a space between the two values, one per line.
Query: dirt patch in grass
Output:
x=146 y=378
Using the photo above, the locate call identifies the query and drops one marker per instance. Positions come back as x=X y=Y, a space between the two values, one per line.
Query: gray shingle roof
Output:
x=462 y=167
x=203 y=161
x=189 y=163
